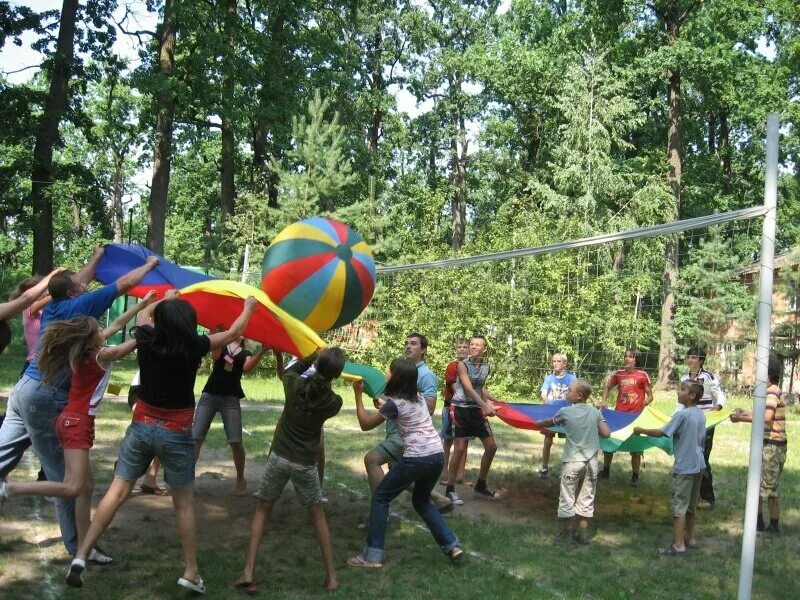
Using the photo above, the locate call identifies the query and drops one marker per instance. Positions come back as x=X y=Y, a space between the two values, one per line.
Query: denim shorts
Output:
x=446 y=433
x=305 y=480
x=145 y=441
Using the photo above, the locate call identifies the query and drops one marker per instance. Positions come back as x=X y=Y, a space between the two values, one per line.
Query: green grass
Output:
x=513 y=537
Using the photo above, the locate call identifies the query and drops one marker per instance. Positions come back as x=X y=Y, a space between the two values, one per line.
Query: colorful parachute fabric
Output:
x=526 y=416
x=119 y=259
x=219 y=302
x=374 y=379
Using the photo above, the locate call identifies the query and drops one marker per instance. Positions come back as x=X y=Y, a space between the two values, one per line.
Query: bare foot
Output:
x=331 y=583
x=241 y=488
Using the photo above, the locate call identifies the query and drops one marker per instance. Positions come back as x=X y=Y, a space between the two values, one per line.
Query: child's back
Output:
x=580 y=424
x=688 y=431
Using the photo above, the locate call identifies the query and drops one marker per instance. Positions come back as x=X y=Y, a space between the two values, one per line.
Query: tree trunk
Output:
x=77 y=222
x=377 y=85
x=459 y=179
x=228 y=141
x=46 y=138
x=725 y=152
x=712 y=133
x=165 y=109
x=666 y=354
x=118 y=187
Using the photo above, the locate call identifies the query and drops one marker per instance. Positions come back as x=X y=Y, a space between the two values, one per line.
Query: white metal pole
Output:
x=752 y=503
x=246 y=263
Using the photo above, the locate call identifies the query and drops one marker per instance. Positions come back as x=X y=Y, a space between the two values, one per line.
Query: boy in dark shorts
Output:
x=446 y=433
x=687 y=428
x=471 y=405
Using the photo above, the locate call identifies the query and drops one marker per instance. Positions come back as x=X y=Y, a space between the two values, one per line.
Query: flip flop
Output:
x=360 y=561
x=671 y=551
x=246 y=586
x=155 y=491
x=199 y=587
x=98 y=557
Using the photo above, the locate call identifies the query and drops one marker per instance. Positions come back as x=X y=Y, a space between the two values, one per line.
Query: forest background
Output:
x=436 y=129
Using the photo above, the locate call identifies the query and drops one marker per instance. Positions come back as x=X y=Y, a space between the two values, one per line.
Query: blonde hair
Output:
x=66 y=343
x=584 y=387
x=560 y=356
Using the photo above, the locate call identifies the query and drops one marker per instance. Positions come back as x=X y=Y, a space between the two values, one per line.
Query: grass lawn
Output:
x=510 y=542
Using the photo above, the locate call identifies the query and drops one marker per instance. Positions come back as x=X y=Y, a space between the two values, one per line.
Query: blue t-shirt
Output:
x=687 y=428
x=90 y=304
x=556 y=386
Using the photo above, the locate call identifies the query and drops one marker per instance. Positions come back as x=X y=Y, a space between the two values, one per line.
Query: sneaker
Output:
x=634 y=481
x=75 y=574
x=604 y=474
x=455 y=499
x=705 y=504
x=486 y=493
x=543 y=473
x=760 y=525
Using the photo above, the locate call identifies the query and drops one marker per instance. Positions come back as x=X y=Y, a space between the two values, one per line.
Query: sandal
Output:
x=360 y=561
x=671 y=551
x=199 y=587
x=456 y=555
x=248 y=587
x=98 y=557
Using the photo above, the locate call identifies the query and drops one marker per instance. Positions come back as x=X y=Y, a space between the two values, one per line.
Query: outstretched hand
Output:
x=250 y=303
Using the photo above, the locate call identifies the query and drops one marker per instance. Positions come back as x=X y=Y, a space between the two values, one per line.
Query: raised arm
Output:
x=27 y=298
x=252 y=361
x=367 y=420
x=109 y=354
x=133 y=278
x=237 y=327
x=120 y=322
x=86 y=273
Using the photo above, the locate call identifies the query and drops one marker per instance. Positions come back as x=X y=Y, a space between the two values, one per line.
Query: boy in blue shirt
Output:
x=554 y=389
x=687 y=428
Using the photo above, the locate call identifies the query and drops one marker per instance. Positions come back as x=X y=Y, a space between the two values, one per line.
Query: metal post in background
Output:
x=753 y=502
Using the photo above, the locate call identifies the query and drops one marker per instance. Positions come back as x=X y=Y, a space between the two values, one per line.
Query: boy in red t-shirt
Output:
x=634 y=393
x=450 y=376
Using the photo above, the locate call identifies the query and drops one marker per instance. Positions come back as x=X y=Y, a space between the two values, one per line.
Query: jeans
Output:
x=31 y=420
x=423 y=472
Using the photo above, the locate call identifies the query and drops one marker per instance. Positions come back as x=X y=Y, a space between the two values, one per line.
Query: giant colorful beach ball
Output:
x=320 y=271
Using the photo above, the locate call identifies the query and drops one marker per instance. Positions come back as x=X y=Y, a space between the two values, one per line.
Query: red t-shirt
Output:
x=450 y=377
x=633 y=386
x=89 y=382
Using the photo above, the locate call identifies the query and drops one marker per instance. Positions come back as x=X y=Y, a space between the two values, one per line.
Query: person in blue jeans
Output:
x=168 y=353
x=33 y=406
x=421 y=464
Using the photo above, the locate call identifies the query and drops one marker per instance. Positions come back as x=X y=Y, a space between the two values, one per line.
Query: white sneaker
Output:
x=455 y=499
x=75 y=575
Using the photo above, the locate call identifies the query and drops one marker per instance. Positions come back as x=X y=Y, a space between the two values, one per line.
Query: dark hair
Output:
x=174 y=331
x=636 y=355
x=403 y=380
x=60 y=285
x=774 y=369
x=696 y=389
x=311 y=392
x=423 y=341
x=478 y=336
x=698 y=352
x=24 y=285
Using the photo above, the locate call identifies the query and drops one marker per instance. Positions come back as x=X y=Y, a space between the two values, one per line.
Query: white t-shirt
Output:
x=415 y=426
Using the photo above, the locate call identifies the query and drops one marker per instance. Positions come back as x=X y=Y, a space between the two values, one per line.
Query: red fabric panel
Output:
x=280 y=281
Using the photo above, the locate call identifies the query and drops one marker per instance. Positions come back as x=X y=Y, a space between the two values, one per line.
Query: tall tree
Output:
x=227 y=109
x=165 y=112
x=42 y=172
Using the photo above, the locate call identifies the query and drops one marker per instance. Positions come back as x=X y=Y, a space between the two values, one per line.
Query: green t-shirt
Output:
x=580 y=424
